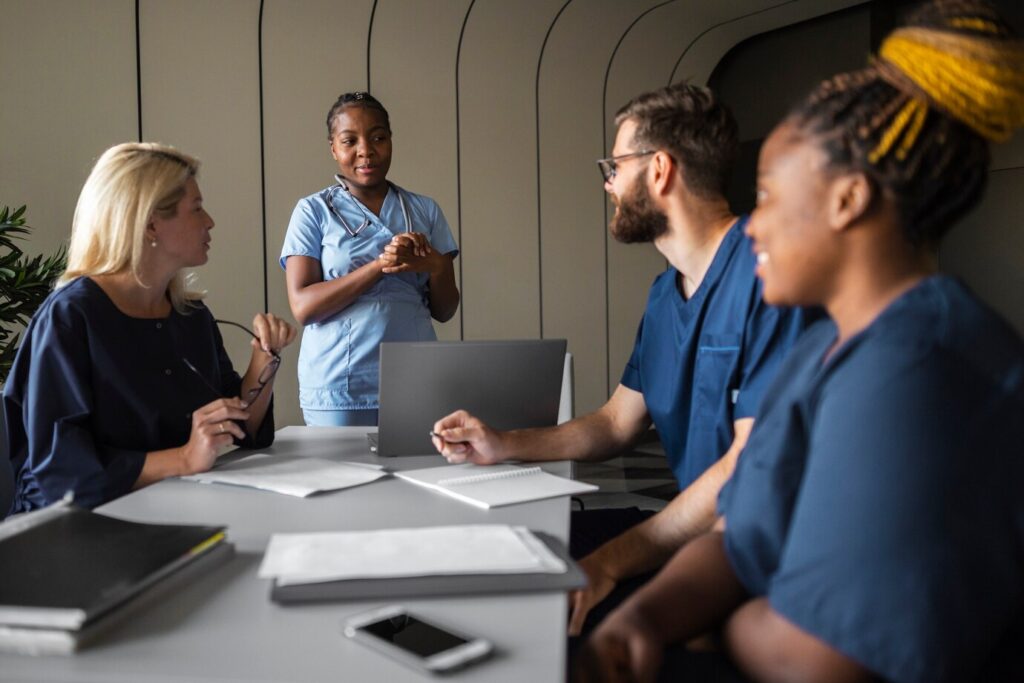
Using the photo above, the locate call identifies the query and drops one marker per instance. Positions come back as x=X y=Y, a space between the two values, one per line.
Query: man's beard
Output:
x=637 y=219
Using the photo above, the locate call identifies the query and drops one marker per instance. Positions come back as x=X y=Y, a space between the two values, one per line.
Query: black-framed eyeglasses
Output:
x=266 y=374
x=610 y=166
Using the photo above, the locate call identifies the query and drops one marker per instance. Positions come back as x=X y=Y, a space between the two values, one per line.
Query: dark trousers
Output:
x=589 y=530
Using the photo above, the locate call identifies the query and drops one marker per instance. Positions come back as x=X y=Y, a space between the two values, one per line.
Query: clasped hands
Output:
x=410 y=252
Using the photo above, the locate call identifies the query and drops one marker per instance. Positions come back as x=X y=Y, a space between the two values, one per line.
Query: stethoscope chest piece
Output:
x=342 y=186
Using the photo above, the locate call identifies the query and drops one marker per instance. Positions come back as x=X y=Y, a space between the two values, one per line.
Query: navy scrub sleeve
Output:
x=93 y=390
x=704 y=362
x=878 y=503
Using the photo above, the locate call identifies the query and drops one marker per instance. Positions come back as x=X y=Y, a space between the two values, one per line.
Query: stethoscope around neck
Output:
x=343 y=186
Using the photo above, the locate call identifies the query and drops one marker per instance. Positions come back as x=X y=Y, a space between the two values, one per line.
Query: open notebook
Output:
x=496 y=485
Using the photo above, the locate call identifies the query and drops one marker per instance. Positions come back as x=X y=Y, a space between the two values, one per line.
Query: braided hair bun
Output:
x=919 y=119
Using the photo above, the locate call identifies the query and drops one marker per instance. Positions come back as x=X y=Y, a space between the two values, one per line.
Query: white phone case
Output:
x=473 y=650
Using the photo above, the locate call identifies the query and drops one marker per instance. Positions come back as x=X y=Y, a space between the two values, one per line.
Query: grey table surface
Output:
x=225 y=628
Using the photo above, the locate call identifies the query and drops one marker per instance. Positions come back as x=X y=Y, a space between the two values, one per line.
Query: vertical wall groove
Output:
x=138 y=68
x=458 y=169
x=369 y=41
x=263 y=164
x=536 y=108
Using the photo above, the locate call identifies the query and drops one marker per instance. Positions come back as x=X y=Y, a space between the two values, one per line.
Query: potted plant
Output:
x=24 y=283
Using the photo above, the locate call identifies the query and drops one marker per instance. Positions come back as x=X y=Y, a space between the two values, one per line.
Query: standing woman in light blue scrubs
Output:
x=365 y=261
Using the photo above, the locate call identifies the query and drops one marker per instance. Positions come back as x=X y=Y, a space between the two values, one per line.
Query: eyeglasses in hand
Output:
x=610 y=166
x=266 y=374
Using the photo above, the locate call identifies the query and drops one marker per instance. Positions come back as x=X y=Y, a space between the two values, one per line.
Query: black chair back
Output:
x=6 y=471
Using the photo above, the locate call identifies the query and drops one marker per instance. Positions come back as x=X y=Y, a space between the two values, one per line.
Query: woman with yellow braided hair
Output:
x=874 y=526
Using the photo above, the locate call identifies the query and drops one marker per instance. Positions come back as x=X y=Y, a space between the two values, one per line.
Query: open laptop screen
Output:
x=507 y=384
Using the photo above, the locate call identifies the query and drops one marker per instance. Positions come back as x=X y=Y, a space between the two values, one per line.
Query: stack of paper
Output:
x=410 y=563
x=292 y=475
x=389 y=553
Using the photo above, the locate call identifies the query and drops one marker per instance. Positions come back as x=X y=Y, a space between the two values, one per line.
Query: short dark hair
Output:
x=694 y=127
x=904 y=137
x=355 y=99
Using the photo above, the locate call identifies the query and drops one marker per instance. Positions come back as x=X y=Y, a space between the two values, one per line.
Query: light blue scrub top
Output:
x=339 y=356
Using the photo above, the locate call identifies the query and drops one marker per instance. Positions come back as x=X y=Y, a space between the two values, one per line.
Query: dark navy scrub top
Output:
x=879 y=502
x=92 y=390
x=704 y=362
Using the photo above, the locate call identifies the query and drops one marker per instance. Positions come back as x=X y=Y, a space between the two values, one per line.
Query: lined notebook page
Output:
x=495 y=485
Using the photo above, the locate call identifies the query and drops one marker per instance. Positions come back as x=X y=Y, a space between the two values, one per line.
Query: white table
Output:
x=225 y=628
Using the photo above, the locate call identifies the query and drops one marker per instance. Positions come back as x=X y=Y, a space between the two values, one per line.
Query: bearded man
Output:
x=706 y=350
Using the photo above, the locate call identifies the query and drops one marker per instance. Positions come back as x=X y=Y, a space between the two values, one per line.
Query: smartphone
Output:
x=415 y=642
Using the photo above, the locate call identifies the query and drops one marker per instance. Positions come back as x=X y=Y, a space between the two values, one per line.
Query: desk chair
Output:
x=6 y=471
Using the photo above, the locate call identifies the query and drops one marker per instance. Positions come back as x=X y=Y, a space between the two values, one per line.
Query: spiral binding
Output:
x=490 y=476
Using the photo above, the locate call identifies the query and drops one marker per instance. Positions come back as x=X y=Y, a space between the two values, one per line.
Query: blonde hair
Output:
x=129 y=184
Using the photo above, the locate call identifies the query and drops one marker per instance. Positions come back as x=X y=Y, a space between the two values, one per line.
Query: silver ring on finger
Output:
x=220 y=427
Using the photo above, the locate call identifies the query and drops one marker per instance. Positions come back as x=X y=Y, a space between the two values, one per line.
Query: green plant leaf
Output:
x=25 y=282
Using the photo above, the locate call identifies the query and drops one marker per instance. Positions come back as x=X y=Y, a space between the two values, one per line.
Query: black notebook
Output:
x=64 y=567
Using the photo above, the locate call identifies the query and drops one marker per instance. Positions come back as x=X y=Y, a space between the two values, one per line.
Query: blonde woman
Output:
x=122 y=379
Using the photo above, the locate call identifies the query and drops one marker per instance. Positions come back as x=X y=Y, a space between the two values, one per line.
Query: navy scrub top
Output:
x=704 y=362
x=879 y=502
x=92 y=390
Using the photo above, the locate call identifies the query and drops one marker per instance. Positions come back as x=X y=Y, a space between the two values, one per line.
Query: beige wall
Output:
x=499 y=109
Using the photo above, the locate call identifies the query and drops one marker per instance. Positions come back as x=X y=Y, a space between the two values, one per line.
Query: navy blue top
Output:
x=704 y=362
x=92 y=390
x=879 y=502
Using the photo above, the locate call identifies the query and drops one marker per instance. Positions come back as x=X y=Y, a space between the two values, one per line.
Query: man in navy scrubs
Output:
x=705 y=351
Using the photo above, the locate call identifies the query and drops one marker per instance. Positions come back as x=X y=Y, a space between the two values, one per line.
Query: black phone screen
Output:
x=418 y=637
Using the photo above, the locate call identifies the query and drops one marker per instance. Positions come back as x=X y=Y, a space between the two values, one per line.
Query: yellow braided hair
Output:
x=977 y=79
x=919 y=120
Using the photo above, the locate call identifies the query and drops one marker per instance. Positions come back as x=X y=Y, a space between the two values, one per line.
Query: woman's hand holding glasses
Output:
x=214 y=426
x=271 y=334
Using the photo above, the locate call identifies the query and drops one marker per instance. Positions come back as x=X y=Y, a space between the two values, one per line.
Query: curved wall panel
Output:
x=312 y=51
x=572 y=217
x=697 y=59
x=412 y=71
x=217 y=120
x=497 y=129
x=68 y=96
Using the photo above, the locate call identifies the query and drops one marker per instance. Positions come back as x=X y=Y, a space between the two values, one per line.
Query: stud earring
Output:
x=153 y=243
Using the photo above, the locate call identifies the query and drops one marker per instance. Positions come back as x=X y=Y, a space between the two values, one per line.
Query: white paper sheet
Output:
x=291 y=475
x=428 y=551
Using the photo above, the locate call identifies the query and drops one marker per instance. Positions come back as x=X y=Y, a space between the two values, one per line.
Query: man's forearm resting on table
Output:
x=597 y=436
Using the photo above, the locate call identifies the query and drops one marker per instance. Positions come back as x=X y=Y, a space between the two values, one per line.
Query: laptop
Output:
x=507 y=384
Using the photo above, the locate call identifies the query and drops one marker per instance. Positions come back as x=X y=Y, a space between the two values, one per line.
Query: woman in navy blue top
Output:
x=122 y=379
x=874 y=526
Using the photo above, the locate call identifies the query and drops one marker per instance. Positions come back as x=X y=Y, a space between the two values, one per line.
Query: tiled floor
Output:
x=638 y=478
